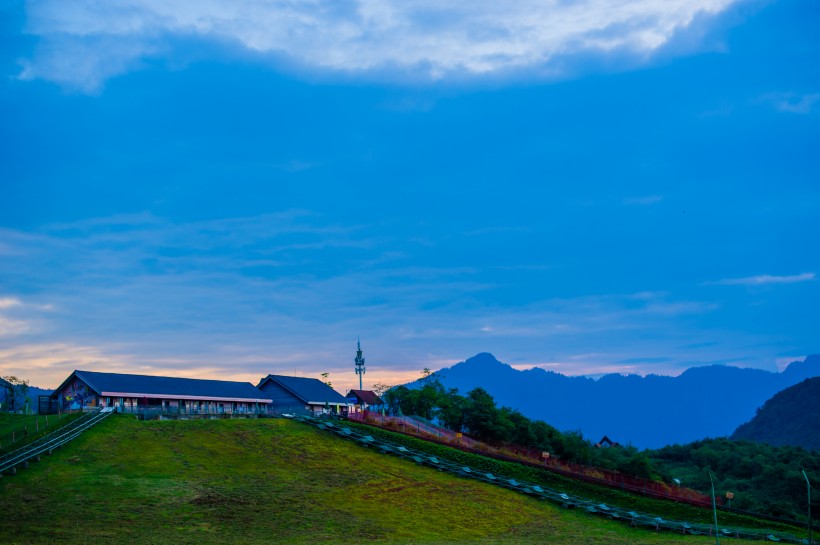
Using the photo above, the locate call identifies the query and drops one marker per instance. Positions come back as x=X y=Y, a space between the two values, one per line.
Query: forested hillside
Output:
x=763 y=478
x=791 y=417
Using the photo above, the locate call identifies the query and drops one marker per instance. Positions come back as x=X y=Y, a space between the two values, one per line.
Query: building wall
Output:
x=75 y=395
x=281 y=397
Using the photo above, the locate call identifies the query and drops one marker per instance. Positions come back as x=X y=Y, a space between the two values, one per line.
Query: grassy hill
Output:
x=269 y=481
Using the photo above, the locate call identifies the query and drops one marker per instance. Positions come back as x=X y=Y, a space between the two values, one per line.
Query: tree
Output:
x=481 y=415
x=324 y=376
x=547 y=438
x=520 y=429
x=380 y=389
x=430 y=399
x=638 y=465
x=576 y=449
x=452 y=409
x=394 y=398
x=15 y=387
x=426 y=375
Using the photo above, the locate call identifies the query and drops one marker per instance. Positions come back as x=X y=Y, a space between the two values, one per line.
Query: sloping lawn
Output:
x=269 y=481
x=16 y=430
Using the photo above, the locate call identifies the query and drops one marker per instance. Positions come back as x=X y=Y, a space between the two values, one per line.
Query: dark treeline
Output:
x=477 y=415
x=762 y=478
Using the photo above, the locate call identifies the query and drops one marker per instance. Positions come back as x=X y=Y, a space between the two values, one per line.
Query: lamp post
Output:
x=808 y=488
x=714 y=509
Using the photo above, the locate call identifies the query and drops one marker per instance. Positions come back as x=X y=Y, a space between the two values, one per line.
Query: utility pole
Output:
x=359 y=361
x=714 y=509
x=808 y=487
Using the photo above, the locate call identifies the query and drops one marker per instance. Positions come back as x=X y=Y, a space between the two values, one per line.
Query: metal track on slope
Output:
x=54 y=440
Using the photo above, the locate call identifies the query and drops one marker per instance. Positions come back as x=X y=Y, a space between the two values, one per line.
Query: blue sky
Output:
x=202 y=190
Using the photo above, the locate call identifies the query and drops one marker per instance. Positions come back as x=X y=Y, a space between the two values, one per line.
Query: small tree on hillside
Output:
x=15 y=387
x=380 y=388
x=325 y=379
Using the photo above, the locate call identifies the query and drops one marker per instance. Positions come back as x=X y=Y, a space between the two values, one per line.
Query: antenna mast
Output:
x=359 y=361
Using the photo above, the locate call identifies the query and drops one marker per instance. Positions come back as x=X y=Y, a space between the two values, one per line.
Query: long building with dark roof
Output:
x=167 y=395
x=300 y=394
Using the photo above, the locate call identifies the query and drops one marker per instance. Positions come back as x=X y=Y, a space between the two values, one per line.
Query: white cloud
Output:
x=45 y=365
x=8 y=302
x=592 y=368
x=764 y=279
x=792 y=103
x=289 y=292
x=16 y=317
x=783 y=362
x=644 y=201
x=83 y=43
x=10 y=327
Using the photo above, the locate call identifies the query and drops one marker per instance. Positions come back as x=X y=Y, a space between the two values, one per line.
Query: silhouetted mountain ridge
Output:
x=791 y=417
x=650 y=411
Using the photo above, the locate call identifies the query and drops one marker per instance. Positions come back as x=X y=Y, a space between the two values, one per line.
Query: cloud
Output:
x=680 y=308
x=289 y=292
x=763 y=280
x=655 y=359
x=18 y=317
x=8 y=302
x=83 y=43
x=233 y=297
x=783 y=362
x=792 y=103
x=592 y=367
x=10 y=327
x=495 y=230
x=644 y=201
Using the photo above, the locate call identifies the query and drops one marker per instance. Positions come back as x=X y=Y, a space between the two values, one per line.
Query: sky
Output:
x=227 y=190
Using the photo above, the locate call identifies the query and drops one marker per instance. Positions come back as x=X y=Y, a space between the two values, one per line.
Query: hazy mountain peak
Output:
x=484 y=358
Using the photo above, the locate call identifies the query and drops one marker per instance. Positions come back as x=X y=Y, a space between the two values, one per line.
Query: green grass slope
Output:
x=669 y=510
x=18 y=430
x=269 y=481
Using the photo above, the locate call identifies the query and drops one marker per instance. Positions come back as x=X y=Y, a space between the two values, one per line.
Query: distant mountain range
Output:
x=648 y=412
x=791 y=417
